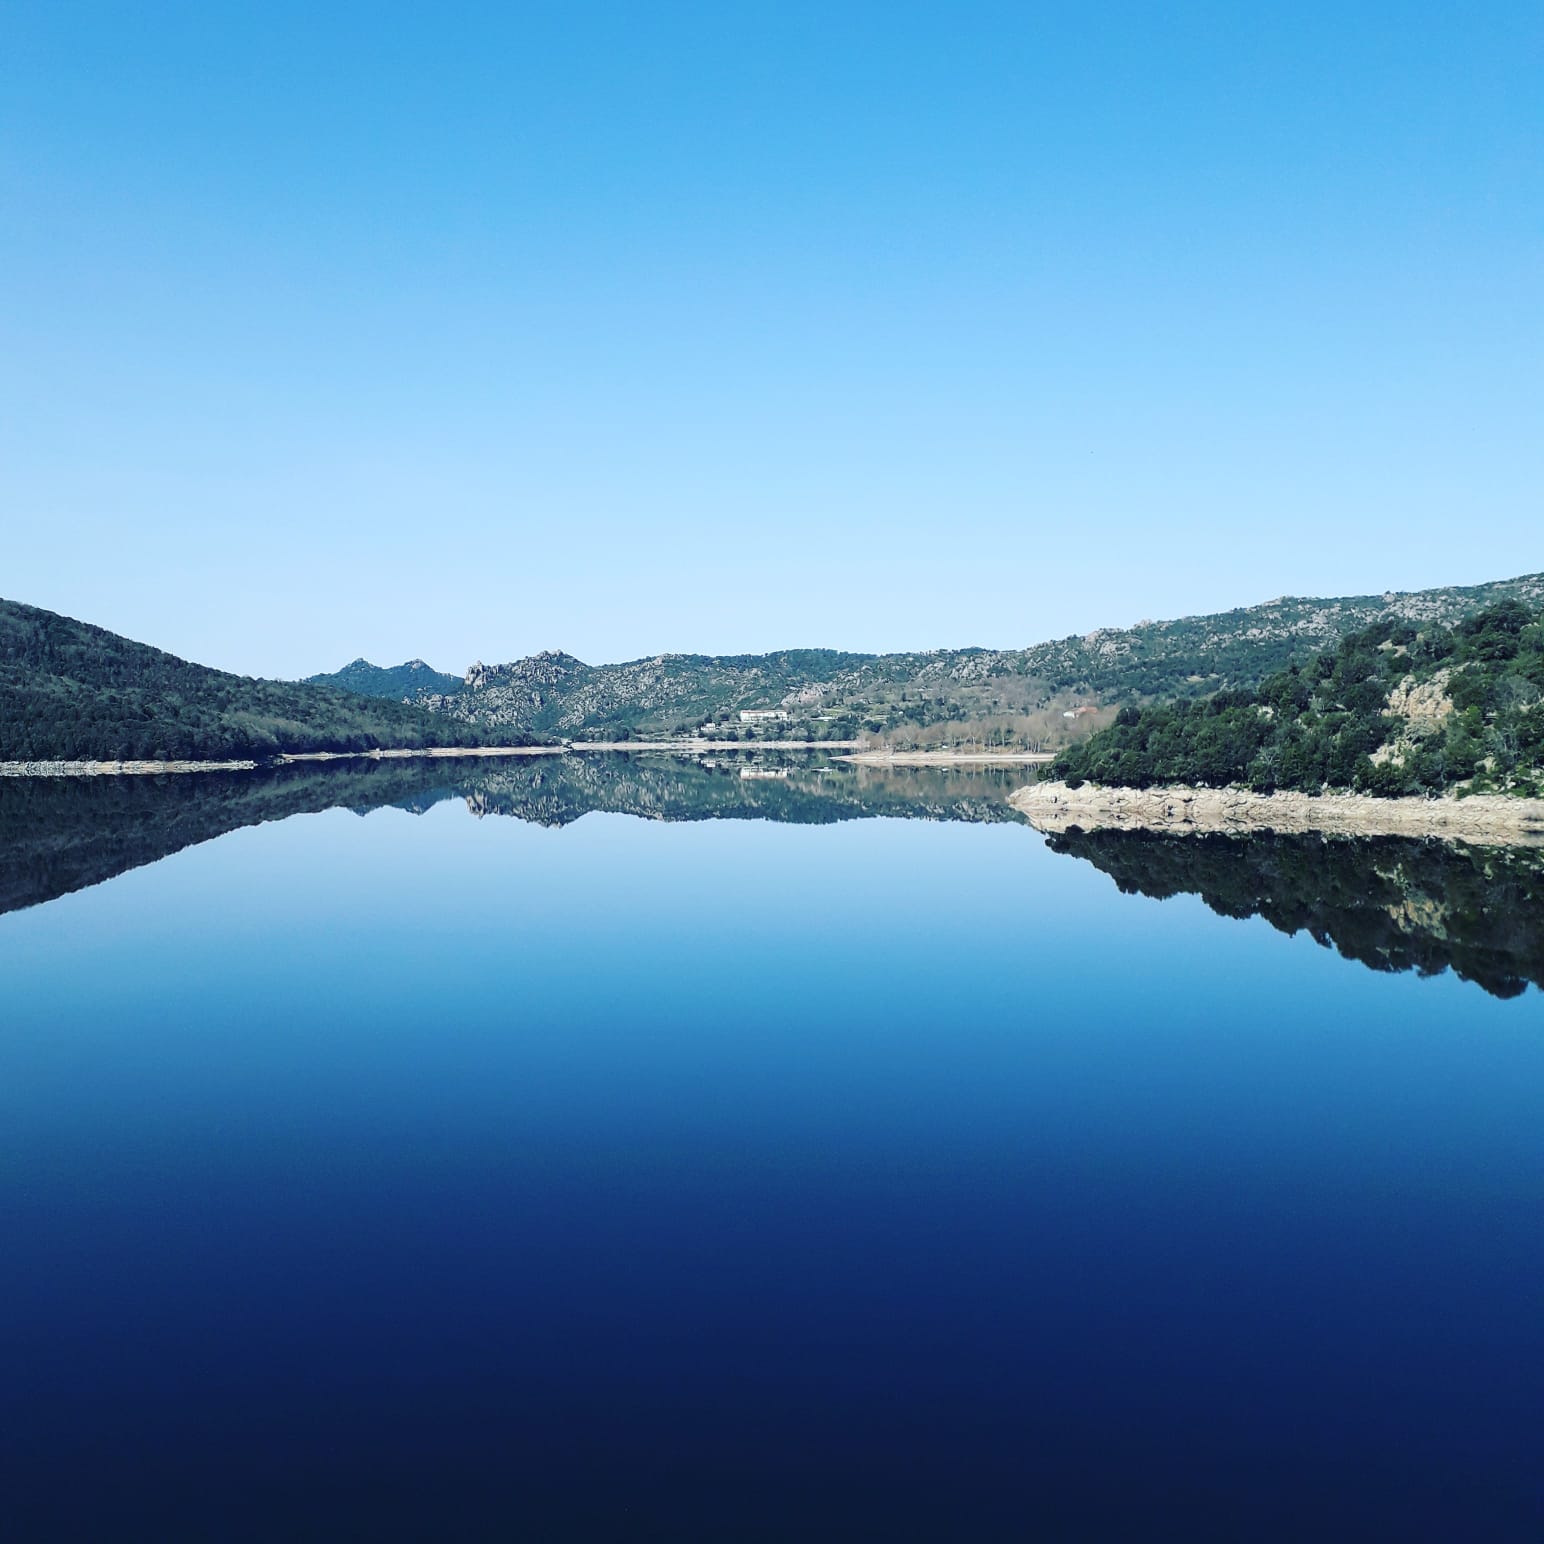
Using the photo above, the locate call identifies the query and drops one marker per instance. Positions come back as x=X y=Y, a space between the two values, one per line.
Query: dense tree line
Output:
x=1330 y=724
x=70 y=691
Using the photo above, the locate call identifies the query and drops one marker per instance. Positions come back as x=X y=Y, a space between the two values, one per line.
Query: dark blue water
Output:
x=423 y=1177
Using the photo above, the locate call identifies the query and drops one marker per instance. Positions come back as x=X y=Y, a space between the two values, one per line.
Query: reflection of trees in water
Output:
x=1391 y=903
x=64 y=834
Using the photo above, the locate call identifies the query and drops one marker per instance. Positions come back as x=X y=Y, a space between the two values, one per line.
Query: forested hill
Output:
x=399 y=683
x=1399 y=708
x=70 y=691
x=922 y=698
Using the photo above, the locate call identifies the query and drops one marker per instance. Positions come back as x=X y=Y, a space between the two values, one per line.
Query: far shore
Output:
x=845 y=750
x=1485 y=819
x=436 y=752
x=949 y=758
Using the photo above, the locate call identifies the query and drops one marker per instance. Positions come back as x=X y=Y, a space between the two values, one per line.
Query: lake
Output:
x=669 y=1153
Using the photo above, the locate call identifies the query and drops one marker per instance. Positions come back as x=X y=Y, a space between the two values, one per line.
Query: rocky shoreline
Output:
x=1484 y=819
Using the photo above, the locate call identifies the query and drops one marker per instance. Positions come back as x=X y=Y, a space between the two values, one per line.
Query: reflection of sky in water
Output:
x=630 y=1175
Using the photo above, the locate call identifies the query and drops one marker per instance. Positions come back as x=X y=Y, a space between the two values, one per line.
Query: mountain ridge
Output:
x=72 y=691
x=406 y=682
x=904 y=696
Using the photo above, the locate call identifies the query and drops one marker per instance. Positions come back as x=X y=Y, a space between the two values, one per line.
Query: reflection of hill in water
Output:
x=64 y=834
x=556 y=791
x=1392 y=903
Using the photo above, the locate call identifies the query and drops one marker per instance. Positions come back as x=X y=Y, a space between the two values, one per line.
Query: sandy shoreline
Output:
x=1484 y=819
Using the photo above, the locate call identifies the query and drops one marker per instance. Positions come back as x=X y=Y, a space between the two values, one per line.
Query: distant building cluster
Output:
x=761 y=715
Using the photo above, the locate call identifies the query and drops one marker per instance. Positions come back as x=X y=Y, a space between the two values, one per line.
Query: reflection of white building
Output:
x=747 y=773
x=760 y=715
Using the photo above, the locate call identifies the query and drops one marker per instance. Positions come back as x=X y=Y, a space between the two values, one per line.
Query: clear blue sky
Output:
x=468 y=330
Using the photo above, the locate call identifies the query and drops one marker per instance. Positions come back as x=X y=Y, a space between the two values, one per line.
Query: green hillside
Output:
x=1006 y=696
x=1395 y=709
x=71 y=691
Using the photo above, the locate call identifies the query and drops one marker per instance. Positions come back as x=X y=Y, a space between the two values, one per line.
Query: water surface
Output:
x=783 y=1174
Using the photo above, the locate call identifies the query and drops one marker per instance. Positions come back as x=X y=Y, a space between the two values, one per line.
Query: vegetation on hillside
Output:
x=1395 y=709
x=1006 y=697
x=70 y=691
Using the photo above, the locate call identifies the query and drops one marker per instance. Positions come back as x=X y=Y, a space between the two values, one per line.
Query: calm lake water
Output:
x=799 y=1171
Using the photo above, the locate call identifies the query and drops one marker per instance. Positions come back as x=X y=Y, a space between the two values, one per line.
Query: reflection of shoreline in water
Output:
x=1390 y=903
x=63 y=834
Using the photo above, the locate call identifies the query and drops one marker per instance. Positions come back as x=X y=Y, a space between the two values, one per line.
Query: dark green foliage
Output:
x=1323 y=725
x=71 y=692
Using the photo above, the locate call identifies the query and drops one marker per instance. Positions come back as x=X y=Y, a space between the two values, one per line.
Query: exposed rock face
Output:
x=555 y=693
x=1423 y=705
x=1055 y=807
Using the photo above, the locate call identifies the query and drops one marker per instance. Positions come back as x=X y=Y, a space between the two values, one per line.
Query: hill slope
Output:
x=71 y=691
x=1399 y=708
x=554 y=692
x=398 y=683
x=905 y=696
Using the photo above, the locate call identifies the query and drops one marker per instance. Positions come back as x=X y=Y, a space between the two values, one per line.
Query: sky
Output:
x=463 y=331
